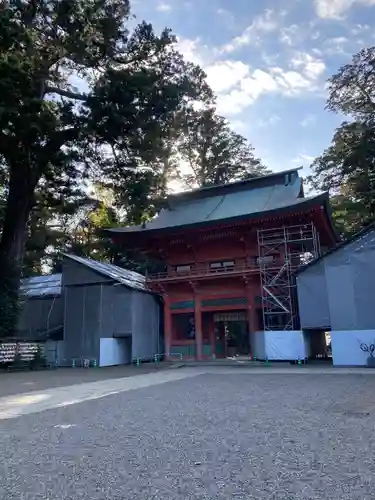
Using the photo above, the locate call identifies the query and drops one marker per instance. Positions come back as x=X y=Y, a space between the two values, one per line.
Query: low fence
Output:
x=23 y=351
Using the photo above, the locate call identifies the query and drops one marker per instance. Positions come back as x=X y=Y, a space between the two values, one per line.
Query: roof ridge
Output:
x=228 y=185
x=126 y=277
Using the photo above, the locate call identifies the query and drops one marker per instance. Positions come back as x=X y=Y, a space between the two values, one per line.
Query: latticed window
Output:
x=266 y=259
x=226 y=264
x=183 y=269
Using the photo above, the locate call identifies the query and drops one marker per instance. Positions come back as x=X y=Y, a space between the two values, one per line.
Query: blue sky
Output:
x=268 y=61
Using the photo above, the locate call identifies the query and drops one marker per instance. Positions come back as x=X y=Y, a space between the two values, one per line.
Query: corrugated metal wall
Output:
x=97 y=307
x=82 y=322
x=341 y=297
x=116 y=306
x=40 y=314
x=343 y=282
x=146 y=318
x=313 y=297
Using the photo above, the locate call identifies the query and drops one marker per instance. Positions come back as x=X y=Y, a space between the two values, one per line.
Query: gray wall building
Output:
x=93 y=311
x=109 y=316
x=42 y=312
x=337 y=292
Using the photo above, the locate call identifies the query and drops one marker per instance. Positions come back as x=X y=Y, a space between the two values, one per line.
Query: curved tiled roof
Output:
x=253 y=198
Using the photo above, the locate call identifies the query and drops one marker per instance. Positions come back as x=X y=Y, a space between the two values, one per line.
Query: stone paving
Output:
x=198 y=434
x=26 y=381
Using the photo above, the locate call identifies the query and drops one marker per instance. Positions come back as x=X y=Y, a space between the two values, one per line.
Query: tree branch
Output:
x=367 y=96
x=139 y=58
x=65 y=93
x=59 y=139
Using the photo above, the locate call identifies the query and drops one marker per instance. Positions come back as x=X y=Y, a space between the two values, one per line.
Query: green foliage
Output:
x=85 y=100
x=39 y=360
x=81 y=97
x=213 y=152
x=347 y=167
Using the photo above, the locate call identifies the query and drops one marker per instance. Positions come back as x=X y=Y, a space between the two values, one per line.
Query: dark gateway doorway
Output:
x=231 y=334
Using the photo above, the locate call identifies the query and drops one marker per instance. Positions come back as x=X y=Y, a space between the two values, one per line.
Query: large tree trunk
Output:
x=12 y=244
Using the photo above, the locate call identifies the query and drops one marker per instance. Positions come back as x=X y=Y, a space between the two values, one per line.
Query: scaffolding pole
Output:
x=281 y=252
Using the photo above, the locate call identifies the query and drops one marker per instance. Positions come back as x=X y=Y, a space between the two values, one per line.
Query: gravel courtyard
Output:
x=225 y=434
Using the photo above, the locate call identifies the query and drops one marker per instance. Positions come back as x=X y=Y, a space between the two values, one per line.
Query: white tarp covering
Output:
x=346 y=349
x=114 y=352
x=284 y=345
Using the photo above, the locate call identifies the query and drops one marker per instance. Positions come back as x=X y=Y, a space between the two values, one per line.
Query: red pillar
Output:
x=198 y=328
x=212 y=336
x=167 y=325
x=251 y=317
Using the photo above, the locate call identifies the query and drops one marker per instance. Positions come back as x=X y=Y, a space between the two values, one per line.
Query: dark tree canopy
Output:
x=86 y=102
x=212 y=152
x=128 y=85
x=352 y=89
x=347 y=167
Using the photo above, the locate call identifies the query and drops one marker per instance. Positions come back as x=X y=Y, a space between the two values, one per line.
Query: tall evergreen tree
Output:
x=212 y=153
x=347 y=167
x=129 y=85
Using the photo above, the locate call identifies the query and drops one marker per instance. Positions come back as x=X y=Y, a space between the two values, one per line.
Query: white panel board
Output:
x=285 y=345
x=345 y=346
x=113 y=352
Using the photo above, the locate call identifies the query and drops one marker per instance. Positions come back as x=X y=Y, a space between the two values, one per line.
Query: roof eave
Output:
x=111 y=278
x=323 y=198
x=211 y=190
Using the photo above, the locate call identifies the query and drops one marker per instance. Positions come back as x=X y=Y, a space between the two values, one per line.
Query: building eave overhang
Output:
x=229 y=187
x=321 y=200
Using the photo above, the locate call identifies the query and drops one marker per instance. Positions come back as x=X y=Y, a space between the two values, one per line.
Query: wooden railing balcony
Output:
x=200 y=271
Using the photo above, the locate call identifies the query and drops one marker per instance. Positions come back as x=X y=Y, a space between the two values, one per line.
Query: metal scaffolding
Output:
x=281 y=252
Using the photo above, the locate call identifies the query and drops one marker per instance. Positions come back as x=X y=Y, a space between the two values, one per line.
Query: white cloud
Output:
x=163 y=7
x=359 y=29
x=290 y=34
x=309 y=65
x=238 y=85
x=295 y=34
x=238 y=126
x=303 y=159
x=246 y=93
x=226 y=74
x=192 y=50
x=308 y=120
x=264 y=23
x=335 y=9
x=259 y=82
x=336 y=45
x=269 y=122
x=290 y=82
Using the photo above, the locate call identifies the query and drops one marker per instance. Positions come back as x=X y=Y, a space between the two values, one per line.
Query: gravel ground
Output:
x=215 y=436
x=26 y=381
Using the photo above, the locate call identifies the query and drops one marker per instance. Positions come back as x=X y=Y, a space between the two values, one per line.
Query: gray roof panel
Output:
x=232 y=187
x=42 y=286
x=355 y=238
x=228 y=206
x=128 y=278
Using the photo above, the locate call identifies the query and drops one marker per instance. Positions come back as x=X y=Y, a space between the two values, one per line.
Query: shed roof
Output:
x=128 y=278
x=342 y=244
x=251 y=198
x=42 y=286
